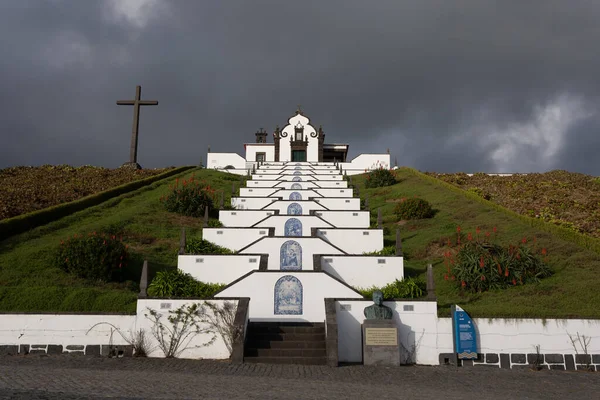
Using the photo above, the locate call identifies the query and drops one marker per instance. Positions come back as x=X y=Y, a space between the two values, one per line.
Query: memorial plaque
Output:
x=381 y=336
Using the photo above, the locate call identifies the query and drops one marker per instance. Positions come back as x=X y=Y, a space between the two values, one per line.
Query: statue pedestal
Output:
x=381 y=345
x=131 y=165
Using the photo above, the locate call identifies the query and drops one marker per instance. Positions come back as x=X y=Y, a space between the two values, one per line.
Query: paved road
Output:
x=65 y=377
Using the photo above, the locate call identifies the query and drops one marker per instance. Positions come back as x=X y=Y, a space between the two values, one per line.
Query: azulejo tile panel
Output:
x=297 y=179
x=296 y=186
x=293 y=227
x=290 y=256
x=295 y=196
x=288 y=296
x=297 y=173
x=294 y=209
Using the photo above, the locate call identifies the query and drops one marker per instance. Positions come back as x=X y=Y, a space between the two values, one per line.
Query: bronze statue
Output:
x=378 y=310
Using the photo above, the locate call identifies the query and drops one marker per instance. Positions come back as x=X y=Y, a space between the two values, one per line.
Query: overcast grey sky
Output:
x=495 y=86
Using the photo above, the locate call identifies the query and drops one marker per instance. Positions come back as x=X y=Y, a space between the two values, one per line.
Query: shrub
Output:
x=214 y=223
x=407 y=288
x=478 y=266
x=175 y=283
x=201 y=246
x=480 y=192
x=413 y=208
x=386 y=251
x=380 y=177
x=190 y=198
x=95 y=257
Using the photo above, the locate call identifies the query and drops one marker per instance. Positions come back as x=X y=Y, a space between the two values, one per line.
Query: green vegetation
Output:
x=413 y=208
x=407 y=288
x=201 y=246
x=96 y=257
x=476 y=265
x=174 y=283
x=571 y=291
x=190 y=198
x=379 y=177
x=31 y=282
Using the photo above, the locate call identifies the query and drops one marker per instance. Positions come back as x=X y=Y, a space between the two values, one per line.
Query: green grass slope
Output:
x=572 y=292
x=28 y=282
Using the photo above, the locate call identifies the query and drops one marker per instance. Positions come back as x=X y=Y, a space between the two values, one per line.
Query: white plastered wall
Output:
x=312 y=151
x=217 y=350
x=233 y=238
x=364 y=271
x=258 y=192
x=272 y=245
x=348 y=204
x=346 y=219
x=260 y=287
x=221 y=160
x=251 y=203
x=253 y=148
x=417 y=327
x=306 y=194
x=353 y=241
x=243 y=218
x=365 y=162
x=278 y=222
x=307 y=206
x=222 y=269
x=330 y=192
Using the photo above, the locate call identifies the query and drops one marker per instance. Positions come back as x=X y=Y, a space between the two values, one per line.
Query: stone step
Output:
x=296 y=337
x=287 y=360
x=287 y=353
x=265 y=344
x=265 y=329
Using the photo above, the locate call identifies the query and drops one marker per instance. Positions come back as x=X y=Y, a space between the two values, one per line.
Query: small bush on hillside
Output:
x=214 y=223
x=413 y=208
x=407 y=288
x=386 y=251
x=480 y=192
x=201 y=246
x=380 y=177
x=96 y=257
x=175 y=283
x=477 y=265
x=190 y=198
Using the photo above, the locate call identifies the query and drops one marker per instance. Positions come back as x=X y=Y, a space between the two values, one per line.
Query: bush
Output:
x=190 y=198
x=380 y=177
x=407 y=288
x=480 y=192
x=386 y=251
x=413 y=208
x=95 y=257
x=201 y=246
x=174 y=283
x=478 y=266
x=214 y=223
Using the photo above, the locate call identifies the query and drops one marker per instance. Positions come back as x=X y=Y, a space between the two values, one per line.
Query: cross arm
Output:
x=148 y=103
x=125 y=102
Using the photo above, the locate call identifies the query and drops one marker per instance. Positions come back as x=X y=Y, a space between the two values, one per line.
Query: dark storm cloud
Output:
x=446 y=86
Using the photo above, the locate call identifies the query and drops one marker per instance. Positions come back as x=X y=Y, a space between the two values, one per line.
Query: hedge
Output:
x=22 y=223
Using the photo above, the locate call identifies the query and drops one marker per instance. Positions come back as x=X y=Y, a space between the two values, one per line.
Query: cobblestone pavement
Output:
x=65 y=377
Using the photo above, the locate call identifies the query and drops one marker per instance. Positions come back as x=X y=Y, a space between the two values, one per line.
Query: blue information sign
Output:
x=465 y=338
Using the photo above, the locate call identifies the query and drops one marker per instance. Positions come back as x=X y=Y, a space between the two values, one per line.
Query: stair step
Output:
x=287 y=353
x=272 y=337
x=288 y=344
x=287 y=360
x=286 y=329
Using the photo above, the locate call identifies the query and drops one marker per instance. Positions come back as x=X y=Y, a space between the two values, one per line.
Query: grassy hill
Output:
x=28 y=283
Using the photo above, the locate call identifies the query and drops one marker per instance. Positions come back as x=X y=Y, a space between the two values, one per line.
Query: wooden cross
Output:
x=136 y=103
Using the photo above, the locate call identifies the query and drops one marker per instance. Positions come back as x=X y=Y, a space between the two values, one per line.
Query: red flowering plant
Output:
x=95 y=256
x=189 y=198
x=478 y=265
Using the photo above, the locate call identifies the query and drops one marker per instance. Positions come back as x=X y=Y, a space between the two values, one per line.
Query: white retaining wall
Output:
x=233 y=238
x=250 y=203
x=353 y=241
x=272 y=245
x=308 y=222
x=261 y=287
x=222 y=269
x=346 y=219
x=307 y=206
x=330 y=192
x=257 y=192
x=331 y=203
x=364 y=271
x=416 y=326
x=363 y=162
x=243 y=218
x=217 y=350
